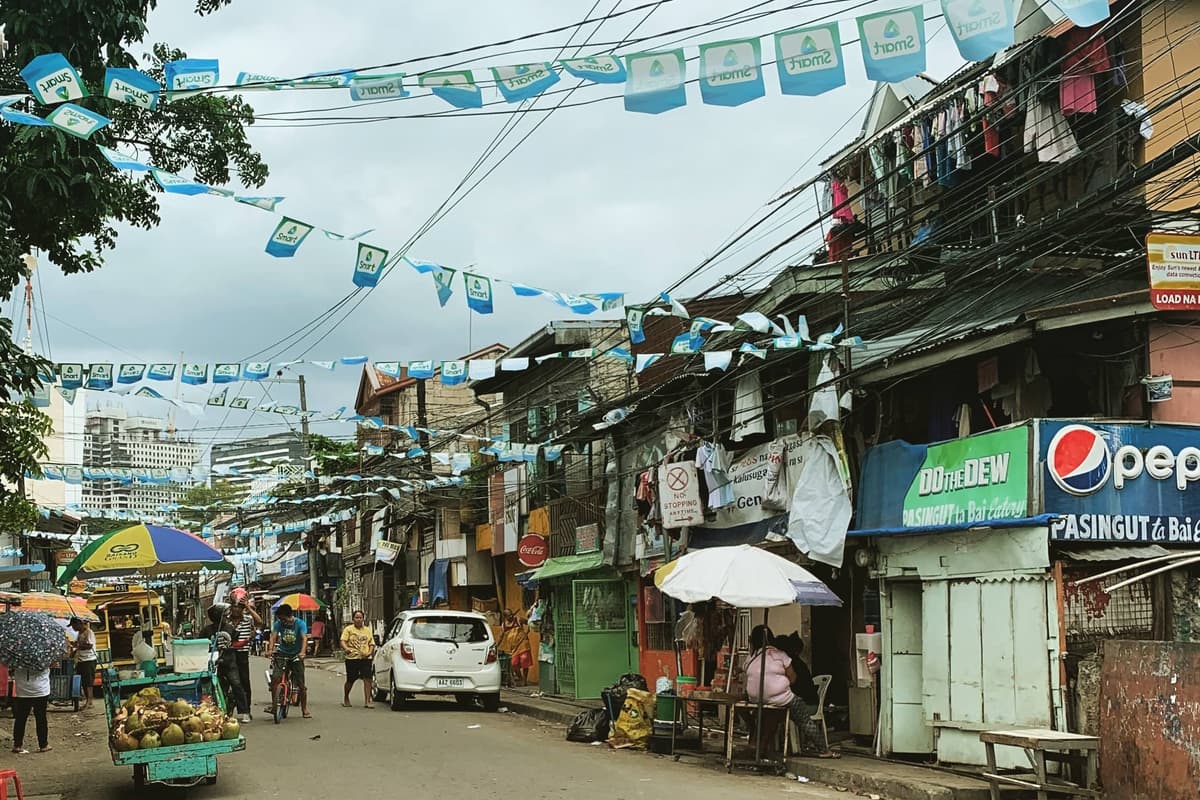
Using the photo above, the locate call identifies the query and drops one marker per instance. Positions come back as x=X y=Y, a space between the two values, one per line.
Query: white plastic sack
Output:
x=824 y=404
x=820 y=512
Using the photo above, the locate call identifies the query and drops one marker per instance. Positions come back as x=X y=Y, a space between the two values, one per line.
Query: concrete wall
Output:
x=1175 y=351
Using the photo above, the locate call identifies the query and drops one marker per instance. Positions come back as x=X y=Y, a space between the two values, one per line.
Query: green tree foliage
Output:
x=57 y=193
x=333 y=457
x=59 y=196
x=23 y=430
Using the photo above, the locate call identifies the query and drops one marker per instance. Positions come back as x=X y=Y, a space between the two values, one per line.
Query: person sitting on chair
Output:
x=773 y=669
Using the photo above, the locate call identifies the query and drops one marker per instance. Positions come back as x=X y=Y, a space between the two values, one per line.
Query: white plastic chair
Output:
x=822 y=683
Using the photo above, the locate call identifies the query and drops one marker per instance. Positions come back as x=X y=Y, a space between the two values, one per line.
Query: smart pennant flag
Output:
x=131 y=373
x=177 y=184
x=76 y=120
x=731 y=72
x=456 y=88
x=161 y=372
x=655 y=82
x=368 y=265
x=122 y=161
x=981 y=28
x=226 y=373
x=288 y=236
x=479 y=293
x=265 y=203
x=377 y=87
x=195 y=374
x=893 y=44
x=53 y=80
x=100 y=377
x=524 y=81
x=132 y=87
x=809 y=60
x=597 y=69
x=191 y=73
x=1084 y=12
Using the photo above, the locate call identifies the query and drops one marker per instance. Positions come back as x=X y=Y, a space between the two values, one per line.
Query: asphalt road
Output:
x=431 y=749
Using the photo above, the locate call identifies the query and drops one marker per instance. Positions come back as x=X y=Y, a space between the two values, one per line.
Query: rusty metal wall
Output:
x=1150 y=720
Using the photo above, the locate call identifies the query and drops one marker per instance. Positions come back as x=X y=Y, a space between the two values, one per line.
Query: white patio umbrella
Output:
x=745 y=577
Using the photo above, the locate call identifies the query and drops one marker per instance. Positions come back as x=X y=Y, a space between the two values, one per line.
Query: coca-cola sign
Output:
x=532 y=550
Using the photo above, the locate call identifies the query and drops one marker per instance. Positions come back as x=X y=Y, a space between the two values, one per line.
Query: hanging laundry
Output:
x=1048 y=135
x=1086 y=57
x=820 y=509
x=991 y=89
x=824 y=405
x=748 y=407
x=841 y=202
x=826 y=197
x=714 y=462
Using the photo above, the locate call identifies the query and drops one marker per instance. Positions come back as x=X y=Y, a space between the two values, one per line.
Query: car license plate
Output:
x=456 y=683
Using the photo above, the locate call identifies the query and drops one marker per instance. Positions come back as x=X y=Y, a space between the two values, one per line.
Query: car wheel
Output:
x=491 y=702
x=379 y=694
x=395 y=699
x=465 y=700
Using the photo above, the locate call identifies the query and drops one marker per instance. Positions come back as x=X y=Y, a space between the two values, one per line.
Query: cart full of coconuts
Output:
x=145 y=720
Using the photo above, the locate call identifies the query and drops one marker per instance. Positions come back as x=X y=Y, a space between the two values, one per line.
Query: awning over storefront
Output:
x=19 y=572
x=569 y=565
x=991 y=524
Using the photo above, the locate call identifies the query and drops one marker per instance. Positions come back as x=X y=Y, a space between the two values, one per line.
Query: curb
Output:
x=519 y=704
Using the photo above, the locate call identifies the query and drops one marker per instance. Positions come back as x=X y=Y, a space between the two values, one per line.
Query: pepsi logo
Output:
x=1079 y=460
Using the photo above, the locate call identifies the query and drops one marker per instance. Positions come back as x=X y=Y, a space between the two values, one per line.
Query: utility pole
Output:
x=312 y=535
x=423 y=422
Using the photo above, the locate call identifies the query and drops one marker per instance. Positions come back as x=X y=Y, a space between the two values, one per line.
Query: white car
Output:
x=438 y=652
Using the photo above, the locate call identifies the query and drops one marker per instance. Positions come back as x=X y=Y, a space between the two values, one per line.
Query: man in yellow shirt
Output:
x=358 y=645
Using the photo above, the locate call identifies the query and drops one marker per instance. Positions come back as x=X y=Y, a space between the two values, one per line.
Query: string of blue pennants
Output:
x=809 y=61
x=784 y=335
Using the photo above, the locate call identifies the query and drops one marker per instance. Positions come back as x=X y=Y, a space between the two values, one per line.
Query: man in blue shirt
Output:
x=289 y=642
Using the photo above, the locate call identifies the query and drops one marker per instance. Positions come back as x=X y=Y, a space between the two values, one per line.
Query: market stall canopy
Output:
x=58 y=606
x=19 y=572
x=559 y=566
x=147 y=550
x=745 y=577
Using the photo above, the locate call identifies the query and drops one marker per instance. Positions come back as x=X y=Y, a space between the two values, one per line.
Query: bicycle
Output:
x=284 y=694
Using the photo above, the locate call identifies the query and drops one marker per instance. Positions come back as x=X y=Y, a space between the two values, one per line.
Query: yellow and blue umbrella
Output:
x=147 y=550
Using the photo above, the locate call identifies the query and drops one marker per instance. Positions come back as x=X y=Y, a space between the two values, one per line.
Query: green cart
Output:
x=183 y=765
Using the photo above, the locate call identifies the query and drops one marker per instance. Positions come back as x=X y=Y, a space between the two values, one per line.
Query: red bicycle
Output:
x=284 y=694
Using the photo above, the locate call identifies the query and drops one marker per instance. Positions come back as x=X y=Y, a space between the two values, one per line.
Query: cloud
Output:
x=596 y=199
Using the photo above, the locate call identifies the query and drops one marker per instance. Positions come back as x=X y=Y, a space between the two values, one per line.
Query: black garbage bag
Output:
x=589 y=726
x=614 y=696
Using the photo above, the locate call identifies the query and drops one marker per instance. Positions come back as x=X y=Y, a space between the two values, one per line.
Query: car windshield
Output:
x=450 y=629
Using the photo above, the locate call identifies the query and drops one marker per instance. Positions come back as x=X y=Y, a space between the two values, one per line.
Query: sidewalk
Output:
x=857 y=773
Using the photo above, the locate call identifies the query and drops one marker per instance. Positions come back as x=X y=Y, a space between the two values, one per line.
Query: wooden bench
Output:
x=1042 y=745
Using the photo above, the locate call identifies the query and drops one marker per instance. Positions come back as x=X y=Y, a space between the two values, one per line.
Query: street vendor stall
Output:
x=748 y=578
x=169 y=727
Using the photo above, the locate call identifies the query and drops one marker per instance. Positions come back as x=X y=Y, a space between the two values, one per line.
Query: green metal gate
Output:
x=601 y=623
x=564 y=640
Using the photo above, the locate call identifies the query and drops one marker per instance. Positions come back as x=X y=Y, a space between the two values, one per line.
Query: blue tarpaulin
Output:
x=439 y=580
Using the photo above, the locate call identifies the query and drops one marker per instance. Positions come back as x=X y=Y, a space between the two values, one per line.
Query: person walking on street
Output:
x=514 y=640
x=358 y=645
x=222 y=631
x=85 y=658
x=32 y=694
x=287 y=648
x=245 y=620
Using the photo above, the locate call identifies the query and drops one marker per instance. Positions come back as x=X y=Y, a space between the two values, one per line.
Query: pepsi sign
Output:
x=1121 y=482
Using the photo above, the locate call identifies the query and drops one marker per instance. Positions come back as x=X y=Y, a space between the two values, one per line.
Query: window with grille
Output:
x=659 y=619
x=1091 y=613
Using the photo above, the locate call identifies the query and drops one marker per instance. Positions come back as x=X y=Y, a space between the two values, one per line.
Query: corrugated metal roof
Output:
x=1115 y=553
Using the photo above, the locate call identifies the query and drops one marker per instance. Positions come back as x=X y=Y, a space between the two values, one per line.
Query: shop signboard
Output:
x=532 y=550
x=1173 y=260
x=958 y=482
x=972 y=479
x=387 y=552
x=1121 y=483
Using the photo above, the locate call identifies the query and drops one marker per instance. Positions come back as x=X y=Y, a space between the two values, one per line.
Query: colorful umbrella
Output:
x=147 y=550
x=57 y=605
x=30 y=641
x=299 y=602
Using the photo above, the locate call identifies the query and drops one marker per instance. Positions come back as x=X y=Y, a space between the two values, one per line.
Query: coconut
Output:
x=123 y=742
x=172 y=735
x=134 y=725
x=193 y=738
x=231 y=729
x=207 y=719
x=150 y=741
x=212 y=736
x=193 y=724
x=180 y=709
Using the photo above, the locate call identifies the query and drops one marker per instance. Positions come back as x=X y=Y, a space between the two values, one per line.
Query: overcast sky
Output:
x=597 y=199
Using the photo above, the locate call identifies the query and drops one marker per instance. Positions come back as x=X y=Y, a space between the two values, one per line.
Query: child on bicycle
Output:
x=288 y=645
